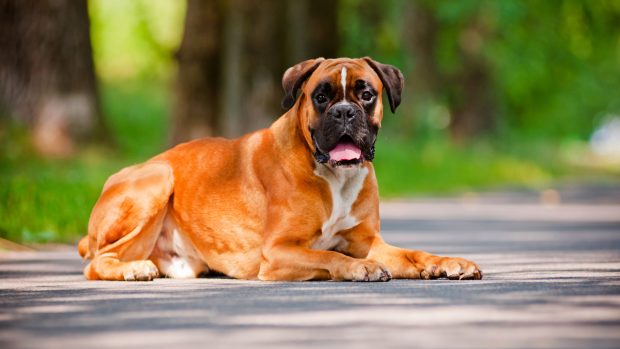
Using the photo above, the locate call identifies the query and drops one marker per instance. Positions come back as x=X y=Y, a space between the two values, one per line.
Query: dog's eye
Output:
x=367 y=96
x=321 y=98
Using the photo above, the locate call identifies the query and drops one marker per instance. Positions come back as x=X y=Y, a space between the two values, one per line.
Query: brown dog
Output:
x=296 y=201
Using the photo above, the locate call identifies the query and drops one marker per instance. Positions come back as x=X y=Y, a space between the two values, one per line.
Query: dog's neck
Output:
x=290 y=138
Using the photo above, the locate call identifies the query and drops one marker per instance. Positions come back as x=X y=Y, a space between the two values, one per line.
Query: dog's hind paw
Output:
x=141 y=271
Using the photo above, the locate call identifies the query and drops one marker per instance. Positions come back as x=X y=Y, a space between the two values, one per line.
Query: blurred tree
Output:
x=445 y=42
x=197 y=88
x=135 y=40
x=424 y=80
x=469 y=86
x=472 y=67
x=310 y=31
x=47 y=79
x=555 y=66
x=254 y=52
x=233 y=56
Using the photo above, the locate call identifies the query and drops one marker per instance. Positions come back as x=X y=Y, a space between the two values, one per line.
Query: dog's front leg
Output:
x=288 y=262
x=365 y=242
x=414 y=264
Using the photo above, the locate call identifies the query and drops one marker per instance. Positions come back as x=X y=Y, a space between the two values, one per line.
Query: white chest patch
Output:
x=345 y=185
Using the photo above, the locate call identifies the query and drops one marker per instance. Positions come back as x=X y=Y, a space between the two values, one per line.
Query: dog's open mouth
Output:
x=346 y=152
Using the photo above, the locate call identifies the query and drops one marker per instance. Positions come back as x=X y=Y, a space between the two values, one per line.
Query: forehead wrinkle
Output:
x=330 y=72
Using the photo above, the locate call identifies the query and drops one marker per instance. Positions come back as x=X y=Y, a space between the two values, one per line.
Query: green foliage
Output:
x=373 y=28
x=555 y=65
x=43 y=200
x=50 y=200
x=135 y=39
x=137 y=114
x=436 y=166
x=133 y=43
x=555 y=68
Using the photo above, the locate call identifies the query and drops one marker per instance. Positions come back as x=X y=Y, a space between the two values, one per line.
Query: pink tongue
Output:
x=345 y=151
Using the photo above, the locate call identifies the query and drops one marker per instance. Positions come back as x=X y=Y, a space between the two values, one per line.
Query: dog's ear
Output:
x=294 y=77
x=392 y=80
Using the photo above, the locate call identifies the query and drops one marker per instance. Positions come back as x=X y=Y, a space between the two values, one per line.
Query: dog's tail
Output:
x=83 y=248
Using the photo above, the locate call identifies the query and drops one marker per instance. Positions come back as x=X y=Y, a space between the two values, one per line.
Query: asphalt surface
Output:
x=552 y=280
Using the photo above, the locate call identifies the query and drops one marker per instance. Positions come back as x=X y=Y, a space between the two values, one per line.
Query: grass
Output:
x=45 y=200
x=436 y=166
x=136 y=114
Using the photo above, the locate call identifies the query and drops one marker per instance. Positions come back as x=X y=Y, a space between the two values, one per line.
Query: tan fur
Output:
x=250 y=208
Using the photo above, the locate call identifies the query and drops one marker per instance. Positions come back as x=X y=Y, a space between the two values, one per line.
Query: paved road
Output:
x=552 y=280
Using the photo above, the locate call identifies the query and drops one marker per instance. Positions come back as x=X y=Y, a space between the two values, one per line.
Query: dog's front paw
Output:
x=367 y=270
x=140 y=271
x=453 y=268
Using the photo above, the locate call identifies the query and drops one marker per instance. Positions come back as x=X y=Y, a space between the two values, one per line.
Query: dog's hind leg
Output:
x=126 y=222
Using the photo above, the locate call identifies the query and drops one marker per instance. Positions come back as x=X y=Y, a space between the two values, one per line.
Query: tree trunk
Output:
x=196 y=106
x=254 y=41
x=47 y=79
x=263 y=48
x=310 y=33
x=424 y=80
x=420 y=38
x=466 y=92
x=473 y=112
x=322 y=39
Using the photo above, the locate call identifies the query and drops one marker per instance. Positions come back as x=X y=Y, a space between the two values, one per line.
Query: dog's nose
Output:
x=343 y=112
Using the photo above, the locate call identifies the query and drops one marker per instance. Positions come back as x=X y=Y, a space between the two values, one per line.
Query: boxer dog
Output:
x=295 y=201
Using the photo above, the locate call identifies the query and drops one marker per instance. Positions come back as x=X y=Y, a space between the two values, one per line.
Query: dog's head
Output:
x=340 y=105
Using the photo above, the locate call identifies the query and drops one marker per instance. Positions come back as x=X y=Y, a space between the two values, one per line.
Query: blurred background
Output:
x=499 y=94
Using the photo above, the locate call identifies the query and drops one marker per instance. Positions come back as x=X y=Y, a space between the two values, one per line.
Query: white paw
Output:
x=141 y=271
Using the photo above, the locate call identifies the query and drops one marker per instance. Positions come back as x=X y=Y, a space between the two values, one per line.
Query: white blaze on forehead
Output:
x=343 y=82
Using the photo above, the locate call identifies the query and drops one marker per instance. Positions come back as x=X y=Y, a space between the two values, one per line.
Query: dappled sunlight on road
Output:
x=551 y=281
